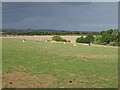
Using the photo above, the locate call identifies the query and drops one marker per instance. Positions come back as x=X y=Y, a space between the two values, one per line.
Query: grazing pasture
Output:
x=44 y=38
x=53 y=65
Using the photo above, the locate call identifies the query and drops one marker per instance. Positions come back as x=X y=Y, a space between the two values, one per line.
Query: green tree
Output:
x=89 y=38
x=106 y=36
x=98 y=40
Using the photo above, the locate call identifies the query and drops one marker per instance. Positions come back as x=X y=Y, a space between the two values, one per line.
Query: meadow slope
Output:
x=54 y=65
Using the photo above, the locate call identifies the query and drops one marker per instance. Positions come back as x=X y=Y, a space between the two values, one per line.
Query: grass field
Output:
x=52 y=65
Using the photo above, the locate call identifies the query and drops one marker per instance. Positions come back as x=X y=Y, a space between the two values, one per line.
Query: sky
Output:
x=81 y=16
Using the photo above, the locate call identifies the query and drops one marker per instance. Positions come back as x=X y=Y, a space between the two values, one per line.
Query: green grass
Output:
x=56 y=64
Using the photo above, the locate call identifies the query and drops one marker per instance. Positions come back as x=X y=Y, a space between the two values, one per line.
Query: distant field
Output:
x=43 y=38
x=54 y=65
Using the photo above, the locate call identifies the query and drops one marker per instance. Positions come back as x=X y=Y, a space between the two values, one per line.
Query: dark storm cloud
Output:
x=70 y=16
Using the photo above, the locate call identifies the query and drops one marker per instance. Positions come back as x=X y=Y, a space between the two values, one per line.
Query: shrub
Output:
x=80 y=40
x=89 y=38
x=58 y=38
x=68 y=40
x=98 y=40
x=117 y=43
x=112 y=43
x=64 y=40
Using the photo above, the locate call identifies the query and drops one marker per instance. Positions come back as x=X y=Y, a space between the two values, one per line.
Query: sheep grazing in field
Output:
x=46 y=40
x=86 y=44
x=62 y=42
x=75 y=45
x=53 y=42
x=36 y=40
x=24 y=40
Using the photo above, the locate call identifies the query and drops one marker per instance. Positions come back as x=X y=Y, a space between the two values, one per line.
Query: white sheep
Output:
x=86 y=44
x=75 y=45
x=53 y=42
x=23 y=40
x=37 y=40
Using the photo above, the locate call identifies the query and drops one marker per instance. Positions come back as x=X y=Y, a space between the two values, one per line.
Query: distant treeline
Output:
x=57 y=33
x=111 y=36
x=26 y=32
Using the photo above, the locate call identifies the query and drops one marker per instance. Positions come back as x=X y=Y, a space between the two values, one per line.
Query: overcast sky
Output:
x=60 y=15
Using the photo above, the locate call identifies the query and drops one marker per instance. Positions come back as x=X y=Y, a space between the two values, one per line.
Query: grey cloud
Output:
x=71 y=16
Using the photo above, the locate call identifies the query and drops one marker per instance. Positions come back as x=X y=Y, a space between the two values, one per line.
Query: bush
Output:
x=64 y=40
x=98 y=40
x=80 y=40
x=89 y=38
x=68 y=40
x=112 y=43
x=58 y=38
x=117 y=43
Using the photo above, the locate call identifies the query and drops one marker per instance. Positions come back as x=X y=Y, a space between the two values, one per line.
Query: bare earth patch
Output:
x=25 y=80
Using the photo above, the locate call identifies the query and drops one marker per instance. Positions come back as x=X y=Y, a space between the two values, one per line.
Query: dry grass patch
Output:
x=8 y=60
x=25 y=80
